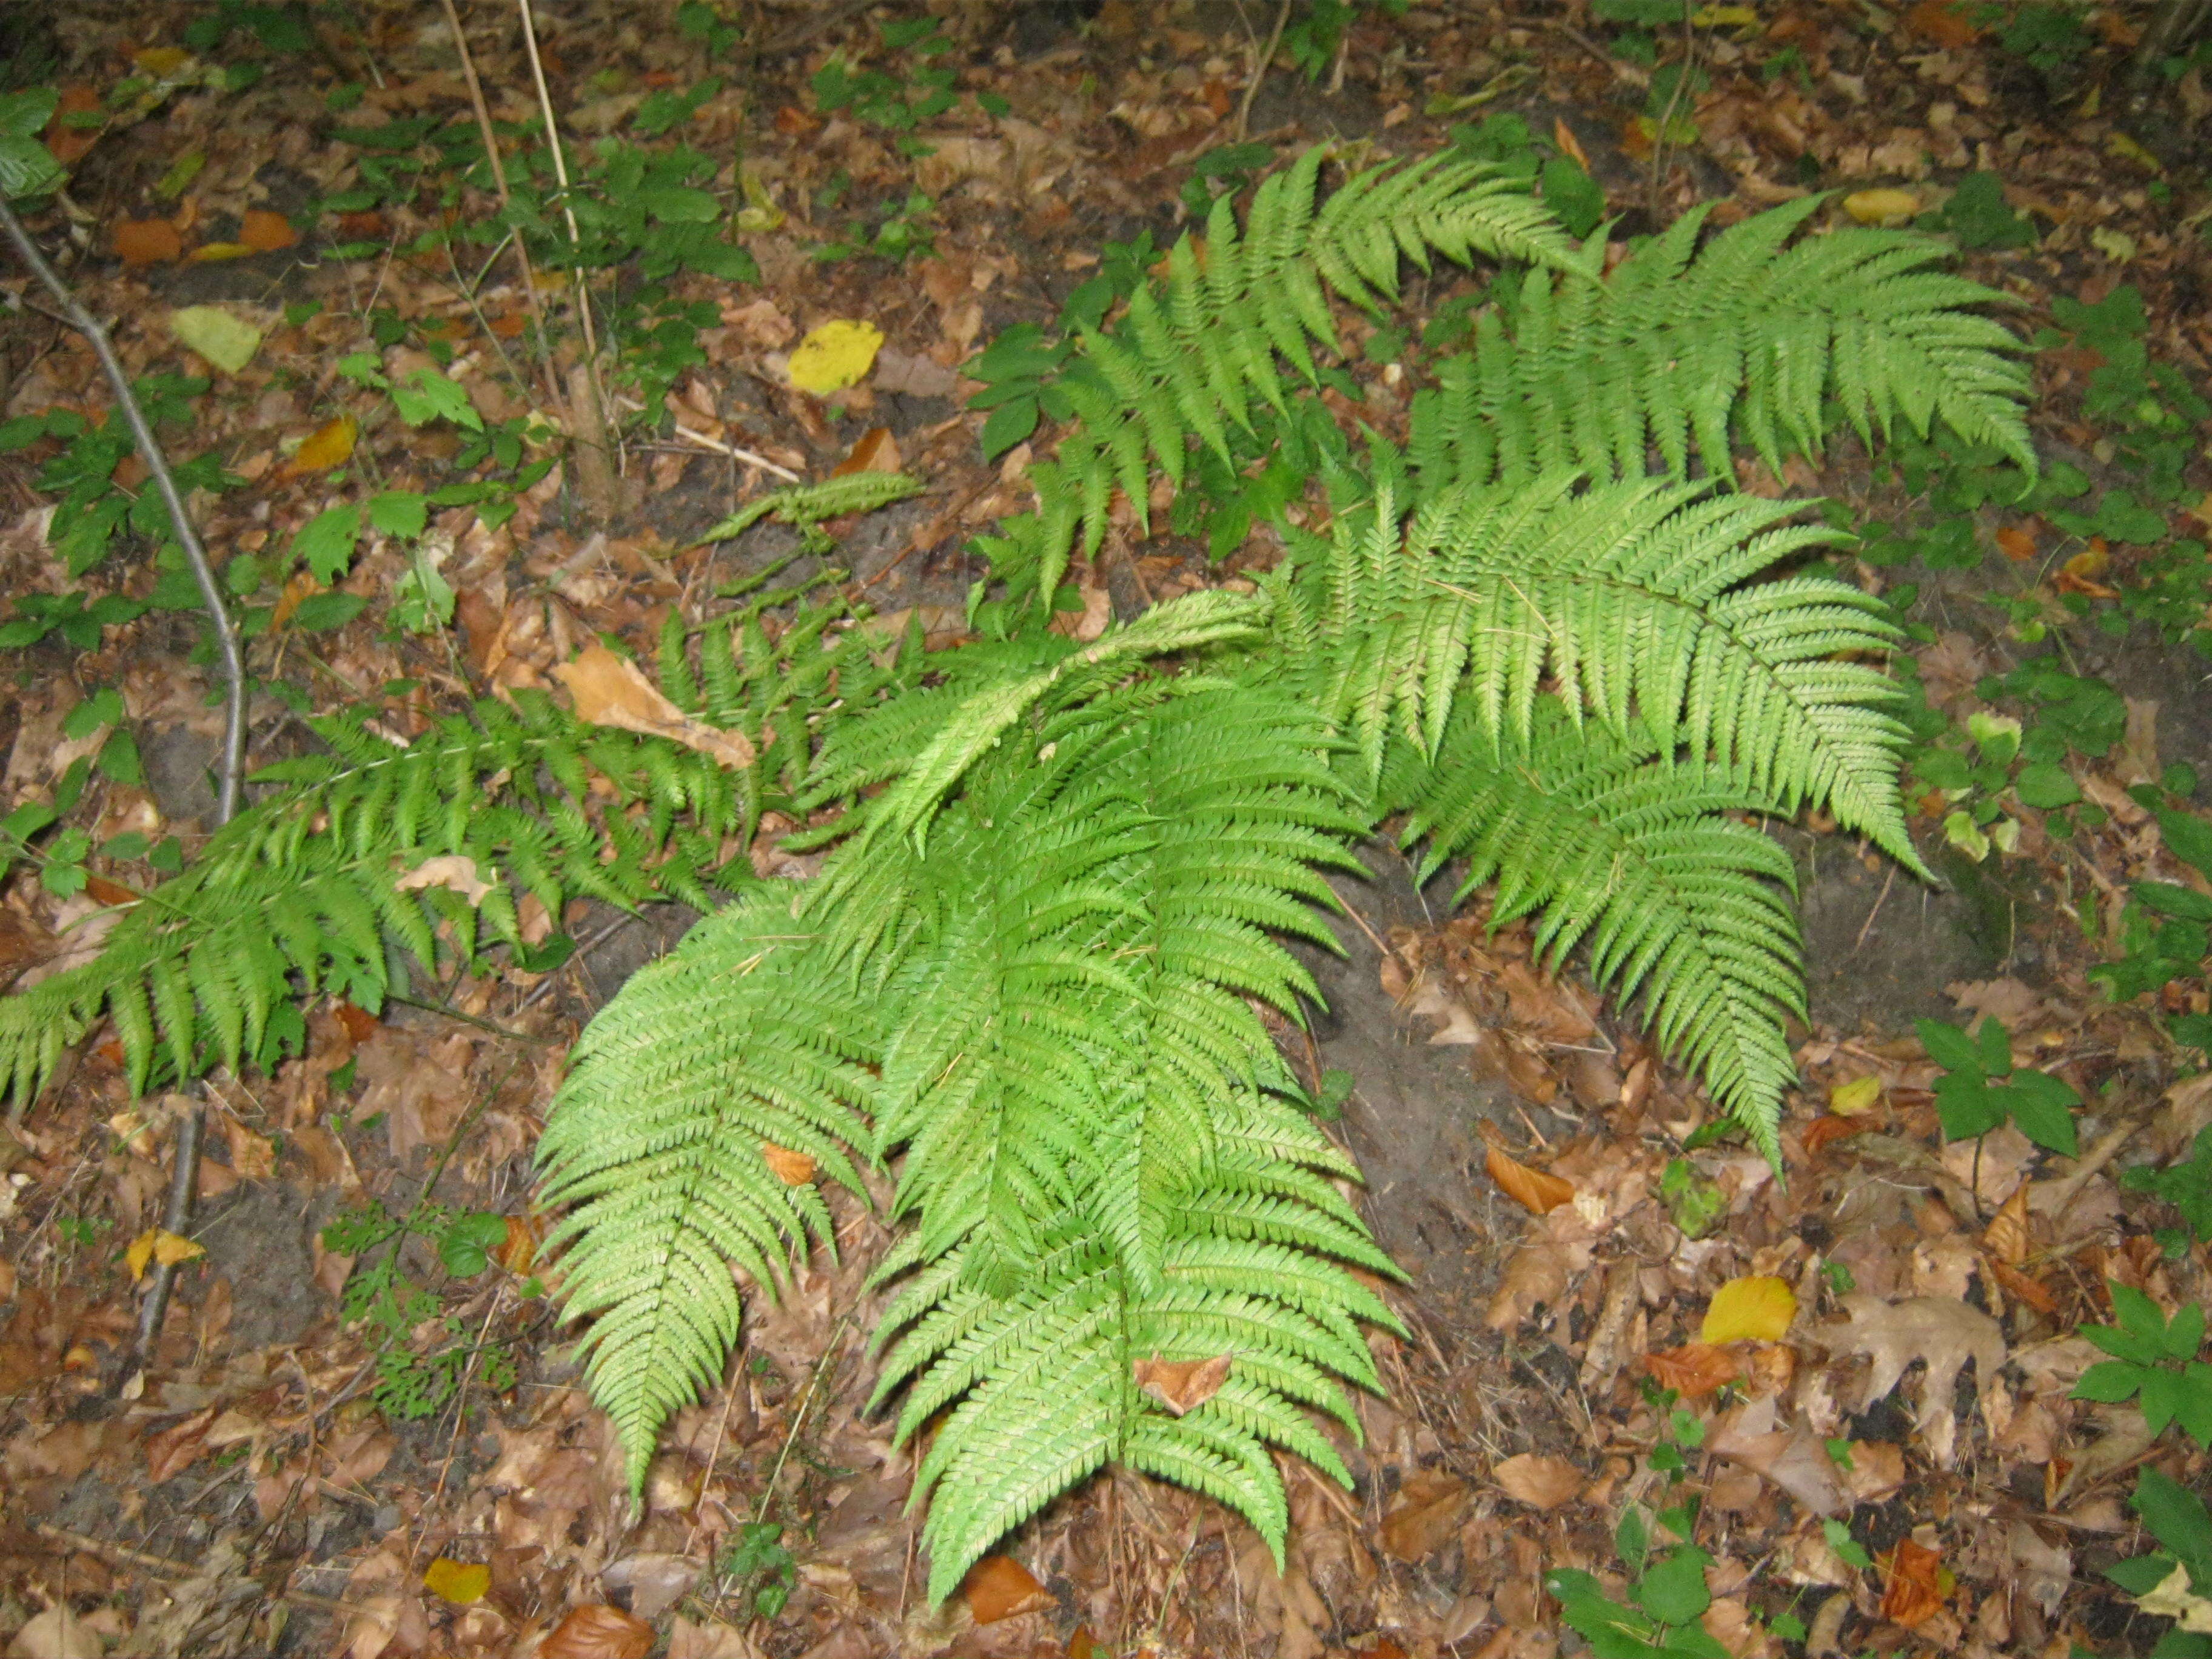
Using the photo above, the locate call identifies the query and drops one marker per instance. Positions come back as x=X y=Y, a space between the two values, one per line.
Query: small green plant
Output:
x=762 y=1569
x=1694 y=1202
x=1562 y=183
x=2165 y=929
x=2175 y=1580
x=1666 y=1600
x=2187 y=1186
x=1981 y=1089
x=1978 y=216
x=2047 y=36
x=2154 y=1363
x=413 y=1381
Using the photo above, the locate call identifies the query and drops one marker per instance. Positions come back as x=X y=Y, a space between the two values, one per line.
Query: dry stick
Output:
x=587 y=399
x=178 y=1215
x=499 y=183
x=1259 y=70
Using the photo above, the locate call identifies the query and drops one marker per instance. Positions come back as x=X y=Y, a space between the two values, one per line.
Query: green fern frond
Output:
x=1195 y=351
x=1628 y=854
x=1635 y=601
x=804 y=505
x=1677 y=344
x=742 y=1039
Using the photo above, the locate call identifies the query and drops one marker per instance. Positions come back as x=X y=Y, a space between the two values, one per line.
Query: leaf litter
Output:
x=1864 y=1374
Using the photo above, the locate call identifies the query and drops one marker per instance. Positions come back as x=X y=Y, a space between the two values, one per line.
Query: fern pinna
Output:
x=1029 y=974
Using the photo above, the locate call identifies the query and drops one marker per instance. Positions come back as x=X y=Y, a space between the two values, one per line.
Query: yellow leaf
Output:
x=1753 y=1309
x=328 y=446
x=834 y=355
x=457 y=1582
x=1726 y=17
x=161 y=62
x=1876 y=207
x=1856 y=1098
x=155 y=1244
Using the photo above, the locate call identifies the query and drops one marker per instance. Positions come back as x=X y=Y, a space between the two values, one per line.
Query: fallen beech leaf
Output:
x=1822 y=1131
x=2079 y=573
x=1535 y=1190
x=176 y=1448
x=1757 y=1309
x=612 y=691
x=157 y=1244
x=836 y=355
x=1692 y=1370
x=1856 y=1098
x=147 y=242
x=518 y=1251
x=1793 y=1458
x=360 y=1024
x=57 y=1634
x=876 y=451
x=998 y=1587
x=596 y=1631
x=227 y=342
x=2016 y=543
x=2030 y=1289
x=1425 y=1515
x=1182 y=1384
x=265 y=232
x=2006 y=1237
x=460 y=1582
x=793 y=1168
x=65 y=141
x=1911 y=1594
x=454 y=872
x=1564 y=136
x=1543 y=1483
x=328 y=446
x=1874 y=207
x=1944 y=22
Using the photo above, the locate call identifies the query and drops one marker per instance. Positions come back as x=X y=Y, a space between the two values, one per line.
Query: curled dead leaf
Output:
x=1912 y=1591
x=1182 y=1384
x=998 y=1587
x=793 y=1168
x=596 y=1631
x=612 y=691
x=1543 y=1483
x=1535 y=1190
x=1692 y=1370
x=454 y=872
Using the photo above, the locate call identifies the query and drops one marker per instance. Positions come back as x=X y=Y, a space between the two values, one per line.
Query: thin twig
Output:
x=700 y=440
x=1259 y=70
x=560 y=176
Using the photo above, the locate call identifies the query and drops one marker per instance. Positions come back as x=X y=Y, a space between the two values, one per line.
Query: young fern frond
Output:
x=1678 y=343
x=804 y=506
x=301 y=891
x=743 y=1042
x=1636 y=601
x=1627 y=853
x=1195 y=352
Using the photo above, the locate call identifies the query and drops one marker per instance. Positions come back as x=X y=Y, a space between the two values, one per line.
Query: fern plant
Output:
x=1028 y=974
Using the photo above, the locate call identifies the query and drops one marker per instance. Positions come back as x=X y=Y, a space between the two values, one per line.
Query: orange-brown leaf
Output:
x=2017 y=543
x=596 y=1631
x=66 y=141
x=998 y=1587
x=1543 y=1483
x=1692 y=1370
x=792 y=1168
x=1943 y=21
x=1911 y=1593
x=2032 y=1292
x=875 y=451
x=2079 y=573
x=1825 y=1130
x=1564 y=136
x=2006 y=1237
x=1182 y=1384
x=265 y=232
x=1535 y=1190
x=147 y=242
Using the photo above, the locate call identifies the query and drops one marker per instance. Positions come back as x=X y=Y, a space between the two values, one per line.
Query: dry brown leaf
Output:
x=454 y=872
x=612 y=691
x=596 y=1631
x=147 y=242
x=1877 y=1469
x=793 y=1168
x=1793 y=1458
x=874 y=450
x=174 y=1450
x=1692 y=1370
x=2006 y=1236
x=1543 y=1483
x=1535 y=1190
x=1946 y=1334
x=1425 y=1515
x=265 y=232
x=1535 y=1274
x=1182 y=1384
x=1911 y=1593
x=1564 y=136
x=998 y=1587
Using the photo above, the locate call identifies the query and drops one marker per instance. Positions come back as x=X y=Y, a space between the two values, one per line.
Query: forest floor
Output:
x=1855 y=1390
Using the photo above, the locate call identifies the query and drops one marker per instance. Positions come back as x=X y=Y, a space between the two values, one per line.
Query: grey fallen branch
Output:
x=190 y=1131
